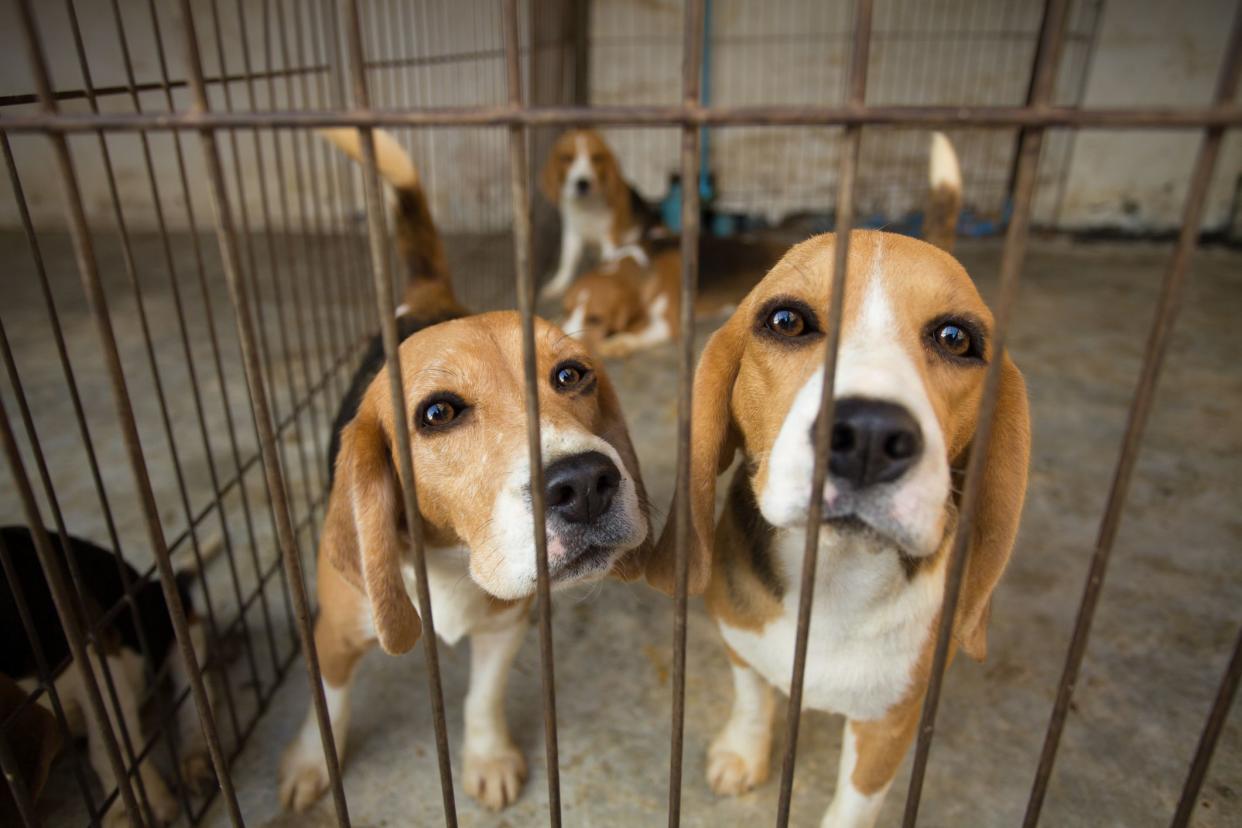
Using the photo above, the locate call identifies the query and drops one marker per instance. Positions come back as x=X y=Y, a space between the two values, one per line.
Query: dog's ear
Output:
x=613 y=429
x=552 y=176
x=999 y=510
x=363 y=528
x=616 y=193
x=713 y=441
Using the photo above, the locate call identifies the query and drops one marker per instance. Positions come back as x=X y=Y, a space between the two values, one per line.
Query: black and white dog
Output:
x=118 y=643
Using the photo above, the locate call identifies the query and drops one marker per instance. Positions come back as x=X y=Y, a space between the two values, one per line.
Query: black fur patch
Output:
x=757 y=533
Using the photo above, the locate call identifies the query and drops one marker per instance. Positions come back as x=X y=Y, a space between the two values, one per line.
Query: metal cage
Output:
x=343 y=68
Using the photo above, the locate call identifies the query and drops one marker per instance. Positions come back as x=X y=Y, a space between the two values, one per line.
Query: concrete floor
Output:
x=1167 y=619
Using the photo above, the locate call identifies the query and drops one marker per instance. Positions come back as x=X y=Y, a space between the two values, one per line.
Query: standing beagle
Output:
x=916 y=340
x=583 y=179
x=463 y=381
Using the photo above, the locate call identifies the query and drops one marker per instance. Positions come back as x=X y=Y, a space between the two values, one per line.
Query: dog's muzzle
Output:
x=872 y=442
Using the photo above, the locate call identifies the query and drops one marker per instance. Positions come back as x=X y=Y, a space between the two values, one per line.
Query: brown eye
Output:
x=440 y=411
x=786 y=322
x=569 y=375
x=953 y=340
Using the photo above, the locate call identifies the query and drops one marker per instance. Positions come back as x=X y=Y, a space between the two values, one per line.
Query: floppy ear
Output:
x=999 y=510
x=713 y=442
x=363 y=526
x=552 y=176
x=630 y=566
x=617 y=194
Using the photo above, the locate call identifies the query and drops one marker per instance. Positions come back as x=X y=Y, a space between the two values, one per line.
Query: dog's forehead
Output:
x=915 y=278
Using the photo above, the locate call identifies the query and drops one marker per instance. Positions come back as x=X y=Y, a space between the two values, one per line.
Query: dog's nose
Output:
x=583 y=186
x=872 y=442
x=580 y=487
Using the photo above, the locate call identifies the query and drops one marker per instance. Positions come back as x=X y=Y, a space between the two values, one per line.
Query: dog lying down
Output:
x=121 y=645
x=467 y=432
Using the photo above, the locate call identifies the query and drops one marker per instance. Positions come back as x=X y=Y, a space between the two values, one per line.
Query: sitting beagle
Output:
x=467 y=431
x=916 y=340
x=582 y=178
x=119 y=642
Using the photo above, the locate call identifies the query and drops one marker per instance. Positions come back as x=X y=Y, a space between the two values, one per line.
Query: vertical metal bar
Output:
x=1047 y=60
x=827 y=402
x=388 y=329
x=526 y=306
x=1140 y=409
x=1211 y=733
x=691 y=65
x=258 y=396
x=93 y=287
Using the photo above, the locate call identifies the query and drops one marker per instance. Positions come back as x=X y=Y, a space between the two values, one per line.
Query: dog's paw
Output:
x=496 y=779
x=303 y=779
x=552 y=290
x=615 y=347
x=197 y=772
x=164 y=806
x=731 y=772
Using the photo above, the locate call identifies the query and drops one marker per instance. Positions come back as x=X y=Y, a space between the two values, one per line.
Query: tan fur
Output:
x=34 y=737
x=607 y=170
x=744 y=384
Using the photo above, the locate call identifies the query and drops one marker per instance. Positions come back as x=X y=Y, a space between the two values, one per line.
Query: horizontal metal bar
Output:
x=1226 y=116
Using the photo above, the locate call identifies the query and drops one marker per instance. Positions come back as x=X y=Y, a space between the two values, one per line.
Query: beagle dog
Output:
x=582 y=178
x=34 y=740
x=916 y=339
x=467 y=432
x=119 y=643
x=624 y=306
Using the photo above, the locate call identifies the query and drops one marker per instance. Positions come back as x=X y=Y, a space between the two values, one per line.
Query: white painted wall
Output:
x=791 y=52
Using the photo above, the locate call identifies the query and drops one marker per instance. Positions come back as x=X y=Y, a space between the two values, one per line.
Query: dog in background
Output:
x=583 y=179
x=916 y=339
x=467 y=432
x=119 y=644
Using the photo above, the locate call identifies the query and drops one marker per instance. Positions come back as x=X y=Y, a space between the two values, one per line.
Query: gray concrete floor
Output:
x=1168 y=616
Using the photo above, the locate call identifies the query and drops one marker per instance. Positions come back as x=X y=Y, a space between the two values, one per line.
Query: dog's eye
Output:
x=440 y=411
x=786 y=322
x=956 y=338
x=953 y=339
x=568 y=376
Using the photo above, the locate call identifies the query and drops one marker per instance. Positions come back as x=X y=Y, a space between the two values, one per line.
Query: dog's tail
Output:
x=944 y=199
x=418 y=241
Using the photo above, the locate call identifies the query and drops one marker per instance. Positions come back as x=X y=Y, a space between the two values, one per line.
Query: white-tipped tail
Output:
x=944 y=170
x=391 y=160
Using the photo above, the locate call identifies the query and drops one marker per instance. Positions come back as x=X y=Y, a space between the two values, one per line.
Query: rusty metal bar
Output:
x=385 y=305
x=89 y=271
x=857 y=90
x=530 y=371
x=1140 y=408
x=1211 y=733
x=1047 y=60
x=691 y=65
x=1228 y=116
x=259 y=401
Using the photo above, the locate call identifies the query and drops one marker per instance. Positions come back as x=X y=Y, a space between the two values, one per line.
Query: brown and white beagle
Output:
x=582 y=177
x=916 y=339
x=467 y=433
x=626 y=306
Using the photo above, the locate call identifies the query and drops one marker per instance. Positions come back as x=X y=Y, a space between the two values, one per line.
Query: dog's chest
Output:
x=458 y=604
x=869 y=625
x=589 y=218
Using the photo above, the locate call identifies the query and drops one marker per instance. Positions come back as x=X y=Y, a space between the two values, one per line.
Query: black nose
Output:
x=583 y=186
x=872 y=442
x=580 y=487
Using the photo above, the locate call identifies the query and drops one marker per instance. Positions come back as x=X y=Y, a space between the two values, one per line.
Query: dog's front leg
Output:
x=196 y=767
x=571 y=252
x=738 y=758
x=494 y=769
x=871 y=753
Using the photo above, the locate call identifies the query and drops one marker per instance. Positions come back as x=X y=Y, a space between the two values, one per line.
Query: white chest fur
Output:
x=589 y=218
x=458 y=603
x=869 y=623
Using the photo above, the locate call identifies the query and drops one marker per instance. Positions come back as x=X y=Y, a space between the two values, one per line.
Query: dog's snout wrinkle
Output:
x=873 y=441
x=580 y=488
